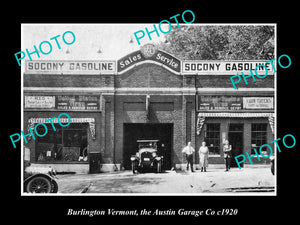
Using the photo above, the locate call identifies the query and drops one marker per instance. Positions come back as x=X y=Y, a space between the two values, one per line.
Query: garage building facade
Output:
x=147 y=94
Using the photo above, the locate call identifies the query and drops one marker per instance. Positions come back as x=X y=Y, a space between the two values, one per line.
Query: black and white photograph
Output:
x=139 y=112
x=144 y=109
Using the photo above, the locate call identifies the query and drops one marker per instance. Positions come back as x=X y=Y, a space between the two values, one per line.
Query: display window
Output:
x=258 y=137
x=65 y=144
x=212 y=137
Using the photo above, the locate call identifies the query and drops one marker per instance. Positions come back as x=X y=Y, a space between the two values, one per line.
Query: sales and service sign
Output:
x=203 y=67
x=70 y=67
x=149 y=52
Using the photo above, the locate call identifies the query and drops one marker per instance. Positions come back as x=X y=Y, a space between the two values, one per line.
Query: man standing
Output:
x=227 y=154
x=189 y=150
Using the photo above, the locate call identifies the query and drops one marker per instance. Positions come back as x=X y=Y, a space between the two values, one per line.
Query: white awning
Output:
x=203 y=115
x=90 y=121
x=235 y=114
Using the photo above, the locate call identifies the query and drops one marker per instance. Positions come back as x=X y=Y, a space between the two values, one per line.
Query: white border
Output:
x=154 y=194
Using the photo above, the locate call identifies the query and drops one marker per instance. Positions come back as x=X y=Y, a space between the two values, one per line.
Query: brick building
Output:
x=148 y=94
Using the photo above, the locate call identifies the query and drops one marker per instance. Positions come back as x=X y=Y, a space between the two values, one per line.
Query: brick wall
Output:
x=45 y=80
x=138 y=77
x=128 y=107
x=223 y=81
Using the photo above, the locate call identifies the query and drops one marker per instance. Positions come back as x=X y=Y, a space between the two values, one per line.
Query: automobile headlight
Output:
x=158 y=158
x=52 y=172
x=132 y=158
x=154 y=154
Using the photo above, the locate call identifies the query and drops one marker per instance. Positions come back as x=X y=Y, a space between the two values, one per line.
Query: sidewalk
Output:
x=212 y=181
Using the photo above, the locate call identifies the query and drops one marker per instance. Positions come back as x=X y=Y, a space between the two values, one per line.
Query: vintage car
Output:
x=146 y=158
x=40 y=181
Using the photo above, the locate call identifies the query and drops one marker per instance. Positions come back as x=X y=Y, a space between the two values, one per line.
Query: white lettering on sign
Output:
x=40 y=102
x=167 y=60
x=70 y=67
x=202 y=67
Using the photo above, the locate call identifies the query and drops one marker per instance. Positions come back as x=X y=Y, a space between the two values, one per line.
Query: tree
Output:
x=221 y=42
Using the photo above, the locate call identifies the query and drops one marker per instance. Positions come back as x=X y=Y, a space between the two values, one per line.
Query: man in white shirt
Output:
x=189 y=150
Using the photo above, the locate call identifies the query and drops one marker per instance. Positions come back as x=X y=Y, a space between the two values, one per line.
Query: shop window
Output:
x=66 y=144
x=212 y=137
x=258 y=137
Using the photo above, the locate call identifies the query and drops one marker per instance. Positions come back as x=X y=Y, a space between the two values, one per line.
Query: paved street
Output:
x=212 y=181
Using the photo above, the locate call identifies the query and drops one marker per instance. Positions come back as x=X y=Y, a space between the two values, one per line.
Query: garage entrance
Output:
x=142 y=131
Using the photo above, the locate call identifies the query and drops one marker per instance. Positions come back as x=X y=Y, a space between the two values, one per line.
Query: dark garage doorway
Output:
x=236 y=140
x=142 y=131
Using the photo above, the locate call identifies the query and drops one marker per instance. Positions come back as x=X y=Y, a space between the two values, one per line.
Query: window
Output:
x=212 y=137
x=258 y=136
x=66 y=144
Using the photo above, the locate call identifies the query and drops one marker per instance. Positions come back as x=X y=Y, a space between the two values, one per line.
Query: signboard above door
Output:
x=232 y=103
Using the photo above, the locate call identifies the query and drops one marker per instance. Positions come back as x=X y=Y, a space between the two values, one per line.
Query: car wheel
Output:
x=54 y=186
x=39 y=185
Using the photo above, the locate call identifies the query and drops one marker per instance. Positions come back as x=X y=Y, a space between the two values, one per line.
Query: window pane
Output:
x=64 y=144
x=213 y=137
x=258 y=135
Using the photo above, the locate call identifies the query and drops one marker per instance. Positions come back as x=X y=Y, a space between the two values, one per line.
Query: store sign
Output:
x=40 y=102
x=223 y=103
x=149 y=52
x=258 y=103
x=70 y=67
x=64 y=102
x=231 y=103
x=200 y=67
x=78 y=102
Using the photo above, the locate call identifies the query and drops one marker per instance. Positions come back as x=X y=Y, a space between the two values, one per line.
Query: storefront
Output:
x=246 y=122
x=147 y=94
x=244 y=117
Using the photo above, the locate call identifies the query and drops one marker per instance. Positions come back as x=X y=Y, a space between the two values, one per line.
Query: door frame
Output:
x=241 y=133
